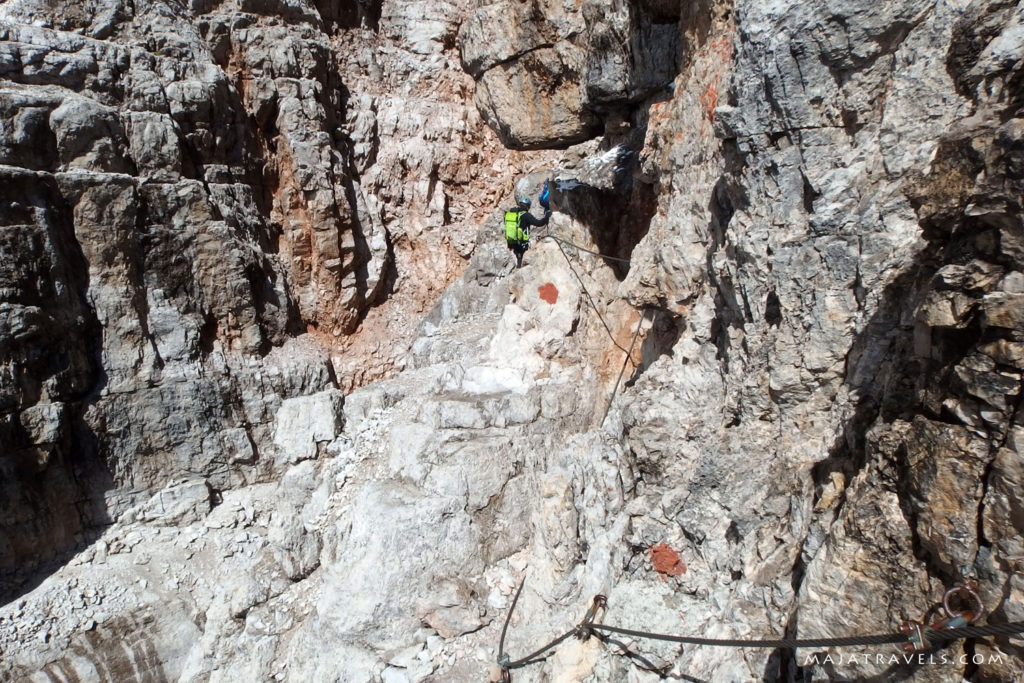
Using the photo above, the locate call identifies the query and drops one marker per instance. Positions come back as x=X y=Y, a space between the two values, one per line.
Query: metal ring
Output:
x=933 y=610
x=962 y=590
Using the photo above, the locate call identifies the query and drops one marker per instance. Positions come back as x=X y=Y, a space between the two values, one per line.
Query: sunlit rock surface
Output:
x=276 y=405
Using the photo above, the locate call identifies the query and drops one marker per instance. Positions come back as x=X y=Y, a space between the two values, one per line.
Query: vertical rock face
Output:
x=547 y=73
x=264 y=359
x=48 y=341
x=944 y=441
x=429 y=169
x=189 y=194
x=139 y=341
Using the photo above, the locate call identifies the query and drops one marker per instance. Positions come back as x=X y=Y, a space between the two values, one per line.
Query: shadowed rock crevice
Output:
x=616 y=218
x=733 y=308
x=350 y=14
x=659 y=340
x=982 y=22
x=632 y=51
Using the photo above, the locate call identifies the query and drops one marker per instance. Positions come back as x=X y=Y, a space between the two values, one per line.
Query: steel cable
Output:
x=789 y=643
x=503 y=660
x=625 y=361
x=508 y=618
x=932 y=635
x=588 y=627
x=947 y=634
x=532 y=657
x=549 y=236
x=590 y=298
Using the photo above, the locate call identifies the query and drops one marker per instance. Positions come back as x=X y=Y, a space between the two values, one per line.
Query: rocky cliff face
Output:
x=200 y=214
x=275 y=405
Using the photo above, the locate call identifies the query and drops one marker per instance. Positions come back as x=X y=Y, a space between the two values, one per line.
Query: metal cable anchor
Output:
x=917 y=631
x=584 y=629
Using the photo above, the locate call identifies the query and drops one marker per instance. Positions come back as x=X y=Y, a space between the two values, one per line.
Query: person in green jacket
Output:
x=518 y=221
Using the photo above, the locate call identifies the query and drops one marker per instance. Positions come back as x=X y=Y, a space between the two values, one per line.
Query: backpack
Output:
x=513 y=229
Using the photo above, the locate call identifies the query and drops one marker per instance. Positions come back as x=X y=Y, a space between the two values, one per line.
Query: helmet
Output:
x=524 y=202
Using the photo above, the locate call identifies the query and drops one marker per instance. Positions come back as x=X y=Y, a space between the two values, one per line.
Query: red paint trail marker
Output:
x=548 y=292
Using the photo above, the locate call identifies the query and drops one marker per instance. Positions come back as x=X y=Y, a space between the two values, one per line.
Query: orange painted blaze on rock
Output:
x=548 y=292
x=709 y=98
x=666 y=561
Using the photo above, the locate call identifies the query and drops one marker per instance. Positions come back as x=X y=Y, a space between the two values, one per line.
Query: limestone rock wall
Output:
x=135 y=177
x=431 y=172
x=550 y=73
x=201 y=215
x=264 y=355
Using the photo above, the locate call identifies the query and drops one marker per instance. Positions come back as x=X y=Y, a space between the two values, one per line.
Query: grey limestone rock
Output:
x=275 y=399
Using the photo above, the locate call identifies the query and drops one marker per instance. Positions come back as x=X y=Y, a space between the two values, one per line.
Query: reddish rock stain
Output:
x=666 y=561
x=548 y=292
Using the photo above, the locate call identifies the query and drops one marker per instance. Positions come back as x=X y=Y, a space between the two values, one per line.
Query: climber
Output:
x=518 y=221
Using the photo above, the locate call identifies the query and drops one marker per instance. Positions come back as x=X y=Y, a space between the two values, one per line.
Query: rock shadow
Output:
x=617 y=217
x=660 y=340
x=346 y=14
x=60 y=509
x=935 y=354
x=52 y=481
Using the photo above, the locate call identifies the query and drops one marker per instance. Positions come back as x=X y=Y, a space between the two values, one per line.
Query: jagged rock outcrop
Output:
x=774 y=393
x=189 y=193
x=550 y=73
x=943 y=451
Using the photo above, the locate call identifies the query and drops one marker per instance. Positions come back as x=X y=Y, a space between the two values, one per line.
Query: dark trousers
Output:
x=518 y=248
